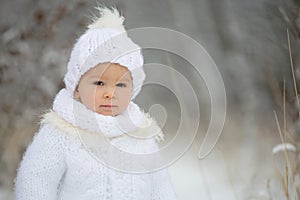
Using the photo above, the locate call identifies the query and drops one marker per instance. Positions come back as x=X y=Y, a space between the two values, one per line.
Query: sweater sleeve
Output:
x=42 y=166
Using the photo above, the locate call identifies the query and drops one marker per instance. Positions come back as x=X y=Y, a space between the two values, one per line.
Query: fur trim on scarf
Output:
x=148 y=129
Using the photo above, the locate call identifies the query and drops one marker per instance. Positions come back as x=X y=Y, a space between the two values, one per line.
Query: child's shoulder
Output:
x=46 y=139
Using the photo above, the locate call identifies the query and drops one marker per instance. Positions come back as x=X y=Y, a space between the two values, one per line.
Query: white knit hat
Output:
x=106 y=40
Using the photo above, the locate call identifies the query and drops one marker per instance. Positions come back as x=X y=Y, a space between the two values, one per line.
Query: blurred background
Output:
x=249 y=43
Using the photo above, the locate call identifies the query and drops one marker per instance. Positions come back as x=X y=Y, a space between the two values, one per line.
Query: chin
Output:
x=108 y=113
x=105 y=114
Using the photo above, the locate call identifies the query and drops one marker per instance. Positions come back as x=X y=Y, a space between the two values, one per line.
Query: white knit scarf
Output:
x=80 y=116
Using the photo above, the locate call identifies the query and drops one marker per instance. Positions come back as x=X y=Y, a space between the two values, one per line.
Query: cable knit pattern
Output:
x=57 y=165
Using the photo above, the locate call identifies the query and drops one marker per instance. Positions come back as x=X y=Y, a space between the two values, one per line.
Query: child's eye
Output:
x=121 y=85
x=99 y=83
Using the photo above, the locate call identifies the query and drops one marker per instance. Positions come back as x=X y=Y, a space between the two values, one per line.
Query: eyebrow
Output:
x=94 y=76
x=125 y=79
x=122 y=79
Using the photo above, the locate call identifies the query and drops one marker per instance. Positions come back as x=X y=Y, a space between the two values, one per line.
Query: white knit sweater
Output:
x=59 y=164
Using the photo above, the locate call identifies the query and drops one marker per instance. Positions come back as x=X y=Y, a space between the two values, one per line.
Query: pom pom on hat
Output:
x=110 y=18
x=105 y=40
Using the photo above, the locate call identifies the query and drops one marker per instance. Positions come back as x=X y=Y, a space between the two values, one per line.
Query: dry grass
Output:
x=290 y=175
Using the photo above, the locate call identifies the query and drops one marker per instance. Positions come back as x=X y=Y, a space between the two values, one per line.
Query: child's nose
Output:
x=109 y=93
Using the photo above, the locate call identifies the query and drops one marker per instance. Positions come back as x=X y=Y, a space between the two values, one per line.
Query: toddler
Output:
x=95 y=143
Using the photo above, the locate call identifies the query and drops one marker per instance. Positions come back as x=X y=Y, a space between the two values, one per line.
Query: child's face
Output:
x=105 y=89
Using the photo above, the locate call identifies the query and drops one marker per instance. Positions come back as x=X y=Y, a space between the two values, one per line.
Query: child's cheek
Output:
x=97 y=94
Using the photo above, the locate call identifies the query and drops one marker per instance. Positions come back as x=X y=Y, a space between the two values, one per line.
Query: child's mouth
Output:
x=108 y=106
